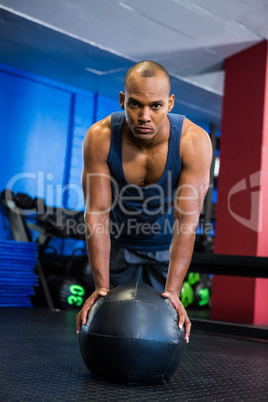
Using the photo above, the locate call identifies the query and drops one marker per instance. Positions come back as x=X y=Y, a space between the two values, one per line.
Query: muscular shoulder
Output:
x=97 y=141
x=195 y=142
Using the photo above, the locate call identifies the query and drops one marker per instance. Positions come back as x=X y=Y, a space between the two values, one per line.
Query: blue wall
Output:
x=34 y=136
x=43 y=124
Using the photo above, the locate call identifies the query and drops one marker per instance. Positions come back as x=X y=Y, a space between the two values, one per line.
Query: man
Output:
x=145 y=176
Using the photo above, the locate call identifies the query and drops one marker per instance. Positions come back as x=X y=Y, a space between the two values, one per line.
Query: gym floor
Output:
x=40 y=361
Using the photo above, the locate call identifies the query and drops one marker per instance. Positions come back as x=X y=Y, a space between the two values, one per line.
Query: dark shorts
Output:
x=148 y=267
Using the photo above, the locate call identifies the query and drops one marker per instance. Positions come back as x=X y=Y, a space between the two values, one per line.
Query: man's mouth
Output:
x=144 y=130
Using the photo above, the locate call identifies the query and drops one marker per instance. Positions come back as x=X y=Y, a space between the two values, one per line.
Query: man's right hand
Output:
x=81 y=318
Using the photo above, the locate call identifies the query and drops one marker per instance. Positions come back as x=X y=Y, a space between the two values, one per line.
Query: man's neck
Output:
x=160 y=138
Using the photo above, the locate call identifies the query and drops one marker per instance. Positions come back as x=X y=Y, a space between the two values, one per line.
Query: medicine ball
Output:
x=132 y=335
x=79 y=267
x=67 y=293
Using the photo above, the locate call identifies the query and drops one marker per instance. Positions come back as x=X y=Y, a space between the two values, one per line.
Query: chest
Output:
x=144 y=168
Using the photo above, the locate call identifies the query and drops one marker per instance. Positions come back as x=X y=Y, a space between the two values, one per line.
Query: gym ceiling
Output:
x=91 y=43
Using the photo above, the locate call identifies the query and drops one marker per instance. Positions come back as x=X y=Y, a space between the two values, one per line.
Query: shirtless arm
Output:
x=196 y=155
x=97 y=198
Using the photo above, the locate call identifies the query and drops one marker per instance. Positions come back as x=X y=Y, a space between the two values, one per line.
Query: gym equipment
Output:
x=17 y=221
x=39 y=205
x=54 y=263
x=67 y=293
x=61 y=223
x=24 y=201
x=187 y=294
x=202 y=292
x=201 y=296
x=18 y=278
x=193 y=278
x=7 y=196
x=196 y=290
x=77 y=267
x=58 y=271
x=132 y=335
x=203 y=244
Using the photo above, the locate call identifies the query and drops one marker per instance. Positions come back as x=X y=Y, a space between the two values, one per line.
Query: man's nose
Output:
x=145 y=115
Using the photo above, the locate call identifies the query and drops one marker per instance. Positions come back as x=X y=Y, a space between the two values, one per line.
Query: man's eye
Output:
x=133 y=104
x=156 y=106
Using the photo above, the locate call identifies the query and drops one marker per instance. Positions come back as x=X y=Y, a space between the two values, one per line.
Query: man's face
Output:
x=146 y=102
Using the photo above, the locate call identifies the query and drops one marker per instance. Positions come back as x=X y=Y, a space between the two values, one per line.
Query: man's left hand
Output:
x=183 y=317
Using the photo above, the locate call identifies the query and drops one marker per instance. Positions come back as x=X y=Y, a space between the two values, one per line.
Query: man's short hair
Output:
x=147 y=68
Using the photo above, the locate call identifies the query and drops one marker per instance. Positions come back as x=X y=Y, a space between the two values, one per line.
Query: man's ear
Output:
x=122 y=100
x=171 y=102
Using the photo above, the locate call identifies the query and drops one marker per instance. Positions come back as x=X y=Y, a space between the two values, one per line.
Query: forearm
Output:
x=180 y=254
x=99 y=246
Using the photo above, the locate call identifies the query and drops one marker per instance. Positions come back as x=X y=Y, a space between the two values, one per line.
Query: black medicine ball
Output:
x=132 y=335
